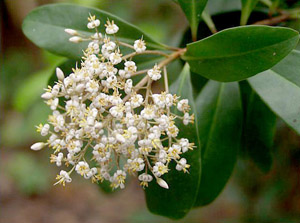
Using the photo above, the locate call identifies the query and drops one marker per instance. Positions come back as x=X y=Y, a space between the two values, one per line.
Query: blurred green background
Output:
x=26 y=179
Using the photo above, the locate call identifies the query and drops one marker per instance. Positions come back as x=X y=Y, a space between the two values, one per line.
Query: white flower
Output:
x=115 y=100
x=136 y=164
x=162 y=156
x=163 y=122
x=182 y=165
x=115 y=58
x=162 y=100
x=187 y=119
x=155 y=73
x=72 y=106
x=174 y=151
x=111 y=27
x=172 y=130
x=136 y=100
x=145 y=179
x=45 y=130
x=117 y=111
x=183 y=105
x=63 y=178
x=128 y=86
x=185 y=145
x=118 y=179
x=139 y=46
x=53 y=103
x=93 y=22
x=148 y=113
x=109 y=46
x=92 y=86
x=83 y=169
x=159 y=169
x=145 y=146
x=94 y=47
x=74 y=146
x=130 y=67
x=101 y=100
x=57 y=159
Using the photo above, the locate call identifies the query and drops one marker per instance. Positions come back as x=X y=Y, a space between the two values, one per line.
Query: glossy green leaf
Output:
x=247 y=7
x=45 y=27
x=219 y=113
x=279 y=88
x=238 y=53
x=176 y=201
x=193 y=10
x=258 y=129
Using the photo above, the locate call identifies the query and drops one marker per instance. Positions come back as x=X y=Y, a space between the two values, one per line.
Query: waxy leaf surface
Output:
x=219 y=117
x=279 y=88
x=238 y=53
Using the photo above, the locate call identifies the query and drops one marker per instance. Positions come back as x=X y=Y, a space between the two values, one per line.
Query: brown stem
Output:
x=274 y=20
x=172 y=57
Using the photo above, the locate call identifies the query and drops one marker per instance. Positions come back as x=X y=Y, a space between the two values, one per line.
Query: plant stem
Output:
x=154 y=52
x=125 y=44
x=172 y=57
x=274 y=20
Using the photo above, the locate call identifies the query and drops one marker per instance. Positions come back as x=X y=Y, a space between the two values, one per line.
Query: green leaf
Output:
x=258 y=129
x=247 y=7
x=221 y=6
x=31 y=89
x=238 y=53
x=193 y=10
x=45 y=27
x=219 y=113
x=279 y=88
x=180 y=197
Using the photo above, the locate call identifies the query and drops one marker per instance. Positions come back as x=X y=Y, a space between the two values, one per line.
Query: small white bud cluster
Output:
x=98 y=113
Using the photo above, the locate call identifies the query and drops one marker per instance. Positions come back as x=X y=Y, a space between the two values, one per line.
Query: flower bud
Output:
x=47 y=96
x=60 y=74
x=71 y=32
x=37 y=146
x=75 y=39
x=162 y=183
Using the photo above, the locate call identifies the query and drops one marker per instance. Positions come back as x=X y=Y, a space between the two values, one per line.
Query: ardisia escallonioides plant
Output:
x=181 y=137
x=105 y=115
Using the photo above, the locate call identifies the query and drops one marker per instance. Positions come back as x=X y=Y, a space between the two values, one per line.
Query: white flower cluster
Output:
x=102 y=127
